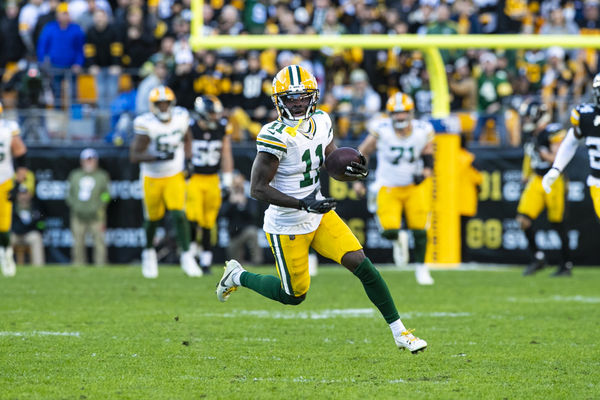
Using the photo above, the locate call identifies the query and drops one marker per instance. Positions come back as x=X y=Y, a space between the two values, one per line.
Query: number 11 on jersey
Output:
x=308 y=180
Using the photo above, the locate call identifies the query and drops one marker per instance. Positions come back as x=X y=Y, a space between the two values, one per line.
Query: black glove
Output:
x=312 y=205
x=165 y=155
x=12 y=195
x=225 y=193
x=418 y=178
x=358 y=170
x=189 y=168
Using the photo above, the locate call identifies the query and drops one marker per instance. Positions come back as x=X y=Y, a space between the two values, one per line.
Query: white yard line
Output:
x=40 y=333
x=569 y=299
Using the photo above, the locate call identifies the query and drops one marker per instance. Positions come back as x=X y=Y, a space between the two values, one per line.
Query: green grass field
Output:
x=107 y=333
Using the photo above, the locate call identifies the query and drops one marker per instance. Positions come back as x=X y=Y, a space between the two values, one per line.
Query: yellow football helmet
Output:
x=295 y=93
x=401 y=108
x=162 y=94
x=400 y=102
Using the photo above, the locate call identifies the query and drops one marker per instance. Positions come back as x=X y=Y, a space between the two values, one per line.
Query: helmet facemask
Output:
x=296 y=105
x=401 y=120
x=162 y=109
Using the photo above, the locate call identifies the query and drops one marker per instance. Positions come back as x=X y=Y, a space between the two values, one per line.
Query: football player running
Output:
x=158 y=146
x=285 y=174
x=404 y=148
x=211 y=152
x=585 y=119
x=540 y=151
x=12 y=149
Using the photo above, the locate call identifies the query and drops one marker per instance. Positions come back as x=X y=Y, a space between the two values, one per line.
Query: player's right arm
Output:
x=263 y=171
x=368 y=146
x=138 y=151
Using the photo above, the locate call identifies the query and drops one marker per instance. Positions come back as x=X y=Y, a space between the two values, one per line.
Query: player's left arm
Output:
x=427 y=157
x=227 y=162
x=187 y=143
x=549 y=153
x=18 y=151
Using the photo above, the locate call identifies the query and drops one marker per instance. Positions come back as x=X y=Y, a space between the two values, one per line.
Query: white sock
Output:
x=397 y=327
x=236 y=277
x=206 y=258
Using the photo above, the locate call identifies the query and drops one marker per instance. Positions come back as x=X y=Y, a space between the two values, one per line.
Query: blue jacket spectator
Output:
x=61 y=42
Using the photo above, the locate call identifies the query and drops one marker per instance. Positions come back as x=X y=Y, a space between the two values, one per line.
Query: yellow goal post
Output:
x=444 y=232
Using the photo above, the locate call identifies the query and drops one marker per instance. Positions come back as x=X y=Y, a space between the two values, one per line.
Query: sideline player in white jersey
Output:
x=158 y=146
x=404 y=162
x=12 y=149
x=285 y=174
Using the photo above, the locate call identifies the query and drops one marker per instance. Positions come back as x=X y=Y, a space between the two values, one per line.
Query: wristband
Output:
x=20 y=161
x=427 y=160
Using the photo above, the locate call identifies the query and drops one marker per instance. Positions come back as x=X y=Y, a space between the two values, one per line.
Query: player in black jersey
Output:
x=211 y=152
x=585 y=119
x=540 y=150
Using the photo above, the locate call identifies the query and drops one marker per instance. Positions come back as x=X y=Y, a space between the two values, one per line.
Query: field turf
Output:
x=107 y=333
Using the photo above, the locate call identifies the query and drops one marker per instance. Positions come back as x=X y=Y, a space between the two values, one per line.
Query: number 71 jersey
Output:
x=301 y=153
x=398 y=157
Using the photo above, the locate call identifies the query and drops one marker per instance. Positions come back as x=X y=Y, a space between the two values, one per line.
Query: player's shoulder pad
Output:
x=272 y=137
x=13 y=127
x=141 y=123
x=180 y=111
x=377 y=122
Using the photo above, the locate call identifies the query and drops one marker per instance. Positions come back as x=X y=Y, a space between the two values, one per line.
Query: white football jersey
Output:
x=8 y=129
x=164 y=137
x=301 y=153
x=398 y=157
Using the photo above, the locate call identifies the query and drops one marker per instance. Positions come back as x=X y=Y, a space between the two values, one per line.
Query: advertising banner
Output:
x=492 y=236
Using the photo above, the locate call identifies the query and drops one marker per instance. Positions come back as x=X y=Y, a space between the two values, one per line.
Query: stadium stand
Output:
x=126 y=38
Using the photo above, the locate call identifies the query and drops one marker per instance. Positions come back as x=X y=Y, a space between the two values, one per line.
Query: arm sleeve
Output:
x=566 y=151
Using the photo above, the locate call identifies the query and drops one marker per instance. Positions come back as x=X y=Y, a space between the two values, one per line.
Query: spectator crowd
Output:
x=108 y=55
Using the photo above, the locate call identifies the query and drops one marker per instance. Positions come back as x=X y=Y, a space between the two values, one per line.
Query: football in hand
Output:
x=338 y=160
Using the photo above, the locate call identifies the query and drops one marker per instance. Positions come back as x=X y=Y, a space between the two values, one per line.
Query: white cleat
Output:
x=149 y=264
x=422 y=274
x=407 y=340
x=7 y=263
x=9 y=268
x=226 y=286
x=189 y=264
x=10 y=260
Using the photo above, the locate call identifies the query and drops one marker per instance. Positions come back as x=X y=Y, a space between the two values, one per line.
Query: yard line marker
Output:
x=40 y=333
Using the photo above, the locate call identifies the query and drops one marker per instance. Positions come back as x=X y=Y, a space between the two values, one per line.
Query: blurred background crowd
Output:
x=83 y=69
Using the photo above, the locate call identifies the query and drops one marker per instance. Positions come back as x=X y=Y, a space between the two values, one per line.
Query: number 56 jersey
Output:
x=165 y=137
x=301 y=153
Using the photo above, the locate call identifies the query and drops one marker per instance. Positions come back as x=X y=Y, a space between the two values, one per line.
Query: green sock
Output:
x=150 y=228
x=420 y=236
x=377 y=290
x=4 y=239
x=390 y=234
x=268 y=286
x=182 y=229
